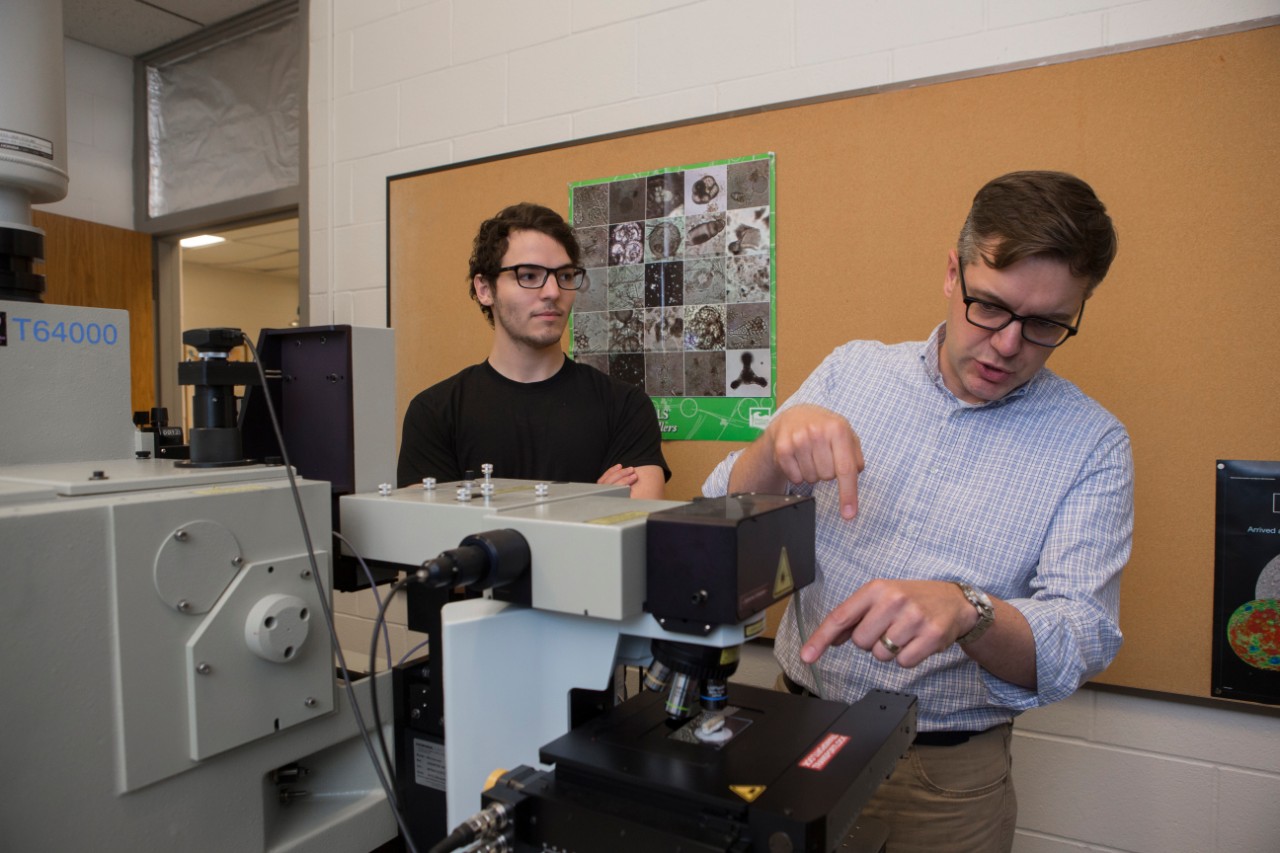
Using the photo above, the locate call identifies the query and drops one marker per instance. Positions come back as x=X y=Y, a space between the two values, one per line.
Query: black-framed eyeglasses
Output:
x=534 y=276
x=993 y=318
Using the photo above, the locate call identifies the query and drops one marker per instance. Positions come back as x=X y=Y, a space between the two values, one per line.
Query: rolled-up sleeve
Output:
x=1074 y=609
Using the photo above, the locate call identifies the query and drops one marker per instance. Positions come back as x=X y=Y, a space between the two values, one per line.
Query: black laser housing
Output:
x=717 y=561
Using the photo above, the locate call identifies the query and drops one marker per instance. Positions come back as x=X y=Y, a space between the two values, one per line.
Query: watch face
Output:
x=981 y=601
x=986 y=613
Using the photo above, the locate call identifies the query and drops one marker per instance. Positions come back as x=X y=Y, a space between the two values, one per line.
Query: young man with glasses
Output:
x=529 y=410
x=974 y=512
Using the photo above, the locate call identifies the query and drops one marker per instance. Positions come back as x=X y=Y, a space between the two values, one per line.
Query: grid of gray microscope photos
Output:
x=680 y=280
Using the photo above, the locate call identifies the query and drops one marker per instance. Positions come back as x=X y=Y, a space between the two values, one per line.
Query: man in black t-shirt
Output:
x=528 y=409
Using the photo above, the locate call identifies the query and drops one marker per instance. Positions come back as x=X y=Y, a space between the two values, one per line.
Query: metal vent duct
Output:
x=33 y=137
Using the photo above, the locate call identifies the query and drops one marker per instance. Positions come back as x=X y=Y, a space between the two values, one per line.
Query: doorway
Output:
x=248 y=279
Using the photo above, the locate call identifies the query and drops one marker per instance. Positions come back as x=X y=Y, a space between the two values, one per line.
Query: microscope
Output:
x=551 y=593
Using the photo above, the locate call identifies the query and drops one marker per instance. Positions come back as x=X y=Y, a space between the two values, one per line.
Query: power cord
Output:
x=373 y=587
x=485 y=825
x=327 y=611
x=413 y=651
x=380 y=621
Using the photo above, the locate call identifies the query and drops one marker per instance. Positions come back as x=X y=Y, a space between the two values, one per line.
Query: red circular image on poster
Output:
x=1254 y=633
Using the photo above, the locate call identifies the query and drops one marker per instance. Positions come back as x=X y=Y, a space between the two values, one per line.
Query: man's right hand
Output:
x=803 y=444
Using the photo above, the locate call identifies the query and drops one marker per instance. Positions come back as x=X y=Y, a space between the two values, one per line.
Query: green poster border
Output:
x=726 y=418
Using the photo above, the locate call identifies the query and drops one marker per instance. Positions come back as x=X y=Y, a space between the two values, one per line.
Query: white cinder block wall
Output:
x=402 y=85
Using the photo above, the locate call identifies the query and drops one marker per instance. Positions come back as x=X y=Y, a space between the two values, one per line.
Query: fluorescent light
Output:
x=202 y=240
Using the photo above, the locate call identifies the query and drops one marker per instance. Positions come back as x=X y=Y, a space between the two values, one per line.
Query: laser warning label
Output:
x=828 y=748
x=783 y=583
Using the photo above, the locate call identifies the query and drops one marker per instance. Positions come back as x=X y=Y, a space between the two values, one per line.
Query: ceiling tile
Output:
x=133 y=27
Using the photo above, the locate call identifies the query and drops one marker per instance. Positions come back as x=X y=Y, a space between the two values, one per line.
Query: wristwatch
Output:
x=986 y=613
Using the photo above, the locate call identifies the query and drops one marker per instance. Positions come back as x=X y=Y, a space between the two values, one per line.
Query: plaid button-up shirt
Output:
x=1029 y=498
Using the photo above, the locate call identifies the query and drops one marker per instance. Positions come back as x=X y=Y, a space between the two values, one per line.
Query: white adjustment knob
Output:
x=277 y=627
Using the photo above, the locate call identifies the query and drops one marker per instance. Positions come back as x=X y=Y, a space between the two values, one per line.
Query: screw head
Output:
x=203 y=668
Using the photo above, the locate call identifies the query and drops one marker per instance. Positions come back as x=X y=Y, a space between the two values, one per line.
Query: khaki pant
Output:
x=949 y=799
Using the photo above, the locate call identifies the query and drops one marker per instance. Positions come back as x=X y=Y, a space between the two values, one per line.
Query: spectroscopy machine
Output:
x=170 y=679
x=578 y=582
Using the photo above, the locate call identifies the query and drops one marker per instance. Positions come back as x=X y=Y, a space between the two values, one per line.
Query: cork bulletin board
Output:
x=1181 y=342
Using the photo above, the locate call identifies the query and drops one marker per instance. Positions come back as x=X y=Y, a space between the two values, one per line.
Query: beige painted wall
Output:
x=216 y=297
x=250 y=301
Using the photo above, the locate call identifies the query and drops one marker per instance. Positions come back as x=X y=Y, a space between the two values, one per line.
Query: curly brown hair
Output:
x=492 y=240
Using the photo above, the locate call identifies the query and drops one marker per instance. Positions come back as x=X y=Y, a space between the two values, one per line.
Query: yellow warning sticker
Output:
x=619 y=518
x=748 y=792
x=783 y=583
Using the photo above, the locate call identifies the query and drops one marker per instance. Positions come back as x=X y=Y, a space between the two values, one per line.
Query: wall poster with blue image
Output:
x=1246 y=613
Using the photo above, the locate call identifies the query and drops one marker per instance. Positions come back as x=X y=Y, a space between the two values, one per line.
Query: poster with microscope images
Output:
x=1246 y=617
x=680 y=300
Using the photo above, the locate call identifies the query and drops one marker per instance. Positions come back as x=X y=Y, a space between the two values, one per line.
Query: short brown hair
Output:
x=492 y=240
x=1024 y=214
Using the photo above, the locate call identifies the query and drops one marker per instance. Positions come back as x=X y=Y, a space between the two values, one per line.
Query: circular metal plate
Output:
x=195 y=564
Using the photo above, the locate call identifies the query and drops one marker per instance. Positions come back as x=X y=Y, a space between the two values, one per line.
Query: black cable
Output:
x=324 y=604
x=373 y=652
x=456 y=840
x=373 y=666
x=373 y=586
x=490 y=823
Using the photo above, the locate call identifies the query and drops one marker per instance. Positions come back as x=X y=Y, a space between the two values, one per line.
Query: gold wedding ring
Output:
x=893 y=647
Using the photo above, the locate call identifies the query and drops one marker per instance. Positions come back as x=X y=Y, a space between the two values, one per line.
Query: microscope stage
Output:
x=796 y=765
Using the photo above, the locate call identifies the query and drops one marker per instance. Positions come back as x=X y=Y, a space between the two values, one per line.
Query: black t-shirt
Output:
x=572 y=427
